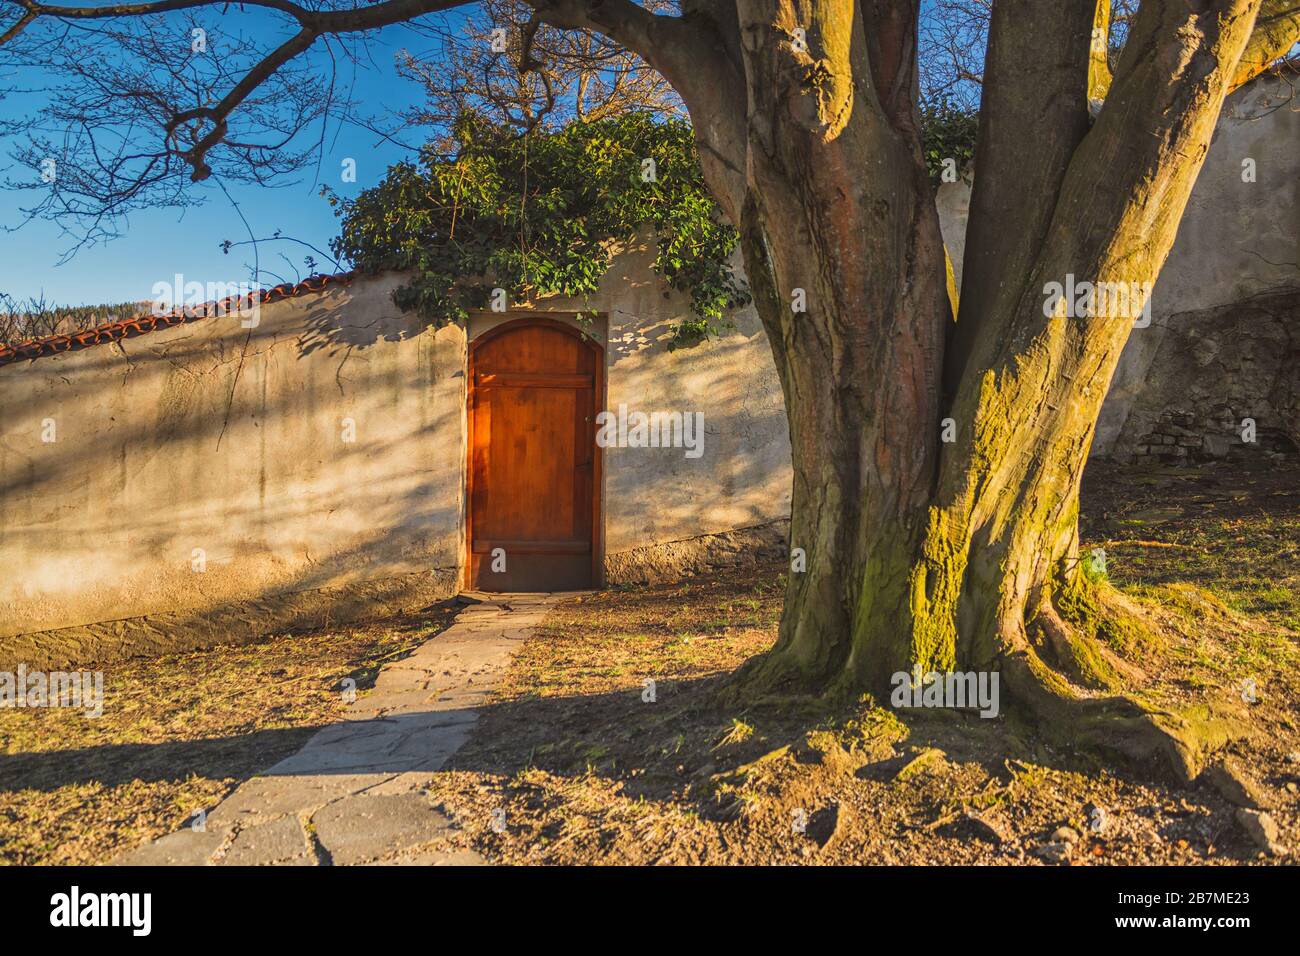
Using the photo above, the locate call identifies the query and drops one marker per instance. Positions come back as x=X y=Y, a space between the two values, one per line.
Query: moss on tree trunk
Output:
x=964 y=555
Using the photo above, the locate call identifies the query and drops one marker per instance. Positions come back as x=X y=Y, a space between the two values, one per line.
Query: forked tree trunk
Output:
x=962 y=556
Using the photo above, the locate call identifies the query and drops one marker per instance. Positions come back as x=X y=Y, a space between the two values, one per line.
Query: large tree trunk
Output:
x=848 y=272
x=963 y=556
x=1032 y=386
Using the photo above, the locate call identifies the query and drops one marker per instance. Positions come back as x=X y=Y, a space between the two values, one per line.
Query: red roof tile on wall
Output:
x=129 y=328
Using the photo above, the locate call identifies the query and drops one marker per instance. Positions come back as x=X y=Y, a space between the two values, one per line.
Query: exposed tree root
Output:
x=1058 y=668
x=771 y=679
x=1119 y=723
x=1080 y=656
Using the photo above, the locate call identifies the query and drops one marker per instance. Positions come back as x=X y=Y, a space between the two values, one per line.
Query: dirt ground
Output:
x=586 y=769
x=579 y=759
x=177 y=734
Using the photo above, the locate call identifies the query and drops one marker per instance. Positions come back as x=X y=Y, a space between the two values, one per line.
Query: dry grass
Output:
x=588 y=770
x=177 y=734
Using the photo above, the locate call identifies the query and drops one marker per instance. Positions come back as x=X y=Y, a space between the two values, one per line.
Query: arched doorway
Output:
x=534 y=469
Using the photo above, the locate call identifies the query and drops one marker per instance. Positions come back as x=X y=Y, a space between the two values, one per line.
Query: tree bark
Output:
x=859 y=365
x=965 y=556
x=1004 y=539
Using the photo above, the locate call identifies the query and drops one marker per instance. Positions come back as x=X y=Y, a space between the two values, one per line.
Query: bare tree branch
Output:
x=504 y=62
x=1277 y=31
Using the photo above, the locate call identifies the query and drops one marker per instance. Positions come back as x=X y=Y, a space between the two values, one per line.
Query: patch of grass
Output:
x=737 y=733
x=1232 y=531
x=177 y=734
x=688 y=780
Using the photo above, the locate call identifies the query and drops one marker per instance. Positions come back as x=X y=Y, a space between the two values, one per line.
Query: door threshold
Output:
x=499 y=595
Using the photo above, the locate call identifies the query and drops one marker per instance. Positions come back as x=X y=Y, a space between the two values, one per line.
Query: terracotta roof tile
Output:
x=129 y=328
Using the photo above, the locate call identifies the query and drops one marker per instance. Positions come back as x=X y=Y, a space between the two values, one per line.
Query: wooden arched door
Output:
x=534 y=468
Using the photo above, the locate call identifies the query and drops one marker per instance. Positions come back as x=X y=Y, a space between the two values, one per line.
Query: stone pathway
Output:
x=356 y=793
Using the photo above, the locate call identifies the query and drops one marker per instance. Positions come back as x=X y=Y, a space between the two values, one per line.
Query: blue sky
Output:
x=157 y=243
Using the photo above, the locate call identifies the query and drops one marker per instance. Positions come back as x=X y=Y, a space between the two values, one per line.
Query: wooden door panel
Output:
x=533 y=461
x=534 y=349
x=529 y=463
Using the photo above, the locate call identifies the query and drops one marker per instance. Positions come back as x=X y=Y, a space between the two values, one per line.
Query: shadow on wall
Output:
x=334 y=333
x=209 y=466
x=741 y=477
x=209 y=479
x=1221 y=370
x=1236 y=255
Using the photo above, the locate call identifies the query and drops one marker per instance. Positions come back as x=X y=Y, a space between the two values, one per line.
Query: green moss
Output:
x=1197 y=732
x=1098 y=624
x=1097 y=612
x=935 y=588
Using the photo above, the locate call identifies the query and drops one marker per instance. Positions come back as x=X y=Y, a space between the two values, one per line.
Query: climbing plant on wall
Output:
x=540 y=214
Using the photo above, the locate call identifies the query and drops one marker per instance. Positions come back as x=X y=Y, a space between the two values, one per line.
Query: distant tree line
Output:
x=22 y=320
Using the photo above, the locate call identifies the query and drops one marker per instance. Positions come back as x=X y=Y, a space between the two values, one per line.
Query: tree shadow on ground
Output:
x=894 y=776
x=238 y=756
x=116 y=764
x=922 y=774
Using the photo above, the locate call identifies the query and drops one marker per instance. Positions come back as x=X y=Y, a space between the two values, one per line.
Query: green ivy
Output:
x=948 y=132
x=690 y=332
x=535 y=214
